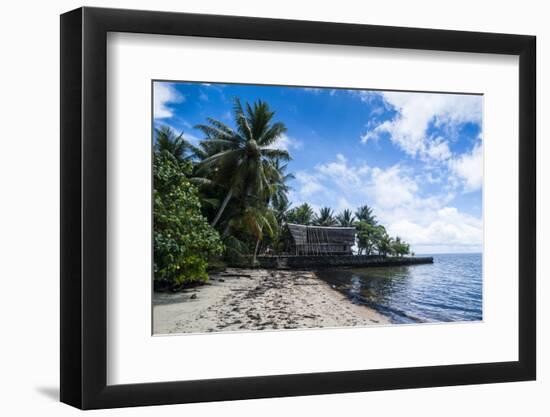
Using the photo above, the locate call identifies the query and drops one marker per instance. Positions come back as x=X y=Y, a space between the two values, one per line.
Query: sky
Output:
x=416 y=158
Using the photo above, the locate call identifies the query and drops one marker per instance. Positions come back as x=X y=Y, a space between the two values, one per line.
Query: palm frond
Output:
x=212 y=132
x=271 y=135
x=276 y=154
x=241 y=120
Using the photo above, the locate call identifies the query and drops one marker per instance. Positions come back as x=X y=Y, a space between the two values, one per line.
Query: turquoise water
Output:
x=448 y=290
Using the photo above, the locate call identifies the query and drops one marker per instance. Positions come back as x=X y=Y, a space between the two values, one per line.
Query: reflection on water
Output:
x=448 y=290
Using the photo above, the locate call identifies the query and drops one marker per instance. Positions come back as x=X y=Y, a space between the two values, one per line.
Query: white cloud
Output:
x=328 y=184
x=416 y=112
x=439 y=150
x=164 y=94
x=313 y=90
x=339 y=172
x=446 y=227
x=390 y=188
x=430 y=223
x=287 y=143
x=469 y=168
x=366 y=96
x=309 y=185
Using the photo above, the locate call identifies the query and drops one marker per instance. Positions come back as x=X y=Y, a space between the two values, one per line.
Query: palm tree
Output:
x=400 y=247
x=301 y=215
x=365 y=213
x=242 y=159
x=281 y=209
x=325 y=217
x=256 y=221
x=280 y=186
x=169 y=143
x=368 y=236
x=346 y=218
x=385 y=245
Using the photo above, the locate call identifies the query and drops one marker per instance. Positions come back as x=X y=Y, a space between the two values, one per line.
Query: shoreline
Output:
x=258 y=299
x=314 y=262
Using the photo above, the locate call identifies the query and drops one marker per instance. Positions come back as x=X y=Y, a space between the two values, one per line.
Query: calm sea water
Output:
x=448 y=290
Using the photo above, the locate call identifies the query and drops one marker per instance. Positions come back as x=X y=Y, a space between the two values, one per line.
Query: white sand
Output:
x=257 y=300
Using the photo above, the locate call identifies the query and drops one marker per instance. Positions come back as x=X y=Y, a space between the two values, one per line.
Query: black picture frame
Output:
x=84 y=207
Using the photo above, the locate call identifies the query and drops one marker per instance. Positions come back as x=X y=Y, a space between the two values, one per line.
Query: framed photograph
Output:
x=257 y=208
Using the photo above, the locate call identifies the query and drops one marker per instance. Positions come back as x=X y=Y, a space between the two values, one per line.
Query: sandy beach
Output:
x=242 y=299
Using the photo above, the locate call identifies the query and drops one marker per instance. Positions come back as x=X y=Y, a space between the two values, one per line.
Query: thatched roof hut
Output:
x=320 y=240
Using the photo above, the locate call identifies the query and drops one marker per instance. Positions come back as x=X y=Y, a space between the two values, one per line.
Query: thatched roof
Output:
x=303 y=235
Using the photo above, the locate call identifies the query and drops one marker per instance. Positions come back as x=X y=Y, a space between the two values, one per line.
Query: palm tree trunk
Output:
x=222 y=207
x=226 y=230
x=256 y=252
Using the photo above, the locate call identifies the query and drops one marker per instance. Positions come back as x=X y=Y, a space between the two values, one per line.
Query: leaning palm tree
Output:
x=365 y=214
x=325 y=217
x=256 y=221
x=242 y=160
x=169 y=143
x=345 y=218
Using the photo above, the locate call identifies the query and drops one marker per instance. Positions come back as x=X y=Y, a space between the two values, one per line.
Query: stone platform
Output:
x=329 y=261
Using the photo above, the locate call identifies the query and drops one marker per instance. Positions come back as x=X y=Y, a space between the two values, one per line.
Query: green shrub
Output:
x=183 y=239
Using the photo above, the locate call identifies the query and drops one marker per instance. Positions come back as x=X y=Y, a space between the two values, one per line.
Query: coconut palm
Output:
x=301 y=215
x=243 y=160
x=169 y=143
x=281 y=209
x=256 y=221
x=325 y=217
x=385 y=245
x=365 y=214
x=345 y=218
x=280 y=187
x=400 y=247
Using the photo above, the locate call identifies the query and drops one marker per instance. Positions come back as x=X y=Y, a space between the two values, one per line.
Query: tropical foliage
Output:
x=346 y=218
x=242 y=161
x=303 y=214
x=385 y=244
x=172 y=146
x=325 y=217
x=365 y=214
x=368 y=237
x=183 y=240
x=400 y=247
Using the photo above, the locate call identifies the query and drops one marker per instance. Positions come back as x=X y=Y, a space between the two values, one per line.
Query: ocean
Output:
x=449 y=290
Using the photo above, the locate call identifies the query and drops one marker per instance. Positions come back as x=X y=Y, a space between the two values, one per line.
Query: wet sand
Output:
x=242 y=299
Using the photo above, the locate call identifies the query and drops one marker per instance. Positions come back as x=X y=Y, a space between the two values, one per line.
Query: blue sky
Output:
x=417 y=158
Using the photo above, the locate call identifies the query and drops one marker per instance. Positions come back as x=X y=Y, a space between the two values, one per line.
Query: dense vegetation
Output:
x=182 y=238
x=226 y=199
